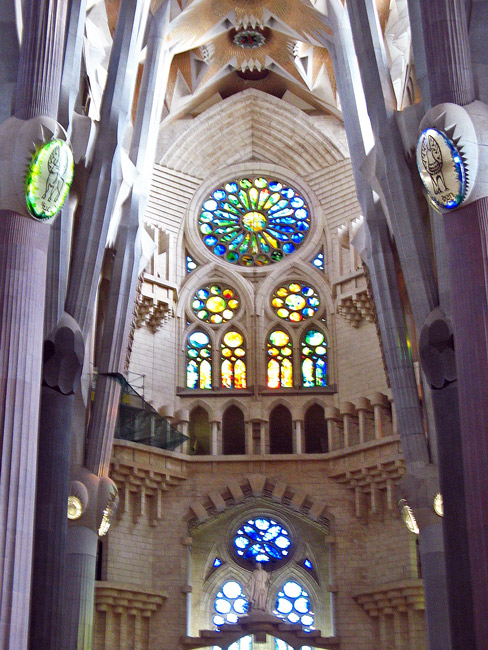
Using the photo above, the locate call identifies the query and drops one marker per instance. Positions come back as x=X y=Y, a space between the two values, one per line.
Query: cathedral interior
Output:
x=243 y=371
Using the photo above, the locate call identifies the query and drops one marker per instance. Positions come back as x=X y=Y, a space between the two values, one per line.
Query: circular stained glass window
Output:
x=262 y=540
x=295 y=302
x=215 y=304
x=254 y=221
x=293 y=605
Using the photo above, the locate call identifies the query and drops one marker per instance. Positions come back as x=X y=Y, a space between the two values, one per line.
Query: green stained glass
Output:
x=215 y=304
x=48 y=179
x=314 y=359
x=198 y=367
x=253 y=221
x=295 y=302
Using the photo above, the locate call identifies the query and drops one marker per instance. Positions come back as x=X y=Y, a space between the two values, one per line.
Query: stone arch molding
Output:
x=252 y=126
x=259 y=486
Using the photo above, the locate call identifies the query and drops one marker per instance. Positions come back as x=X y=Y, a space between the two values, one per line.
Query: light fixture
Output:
x=439 y=505
x=75 y=507
x=408 y=517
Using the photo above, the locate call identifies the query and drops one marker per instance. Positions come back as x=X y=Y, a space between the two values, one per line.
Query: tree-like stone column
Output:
x=23 y=251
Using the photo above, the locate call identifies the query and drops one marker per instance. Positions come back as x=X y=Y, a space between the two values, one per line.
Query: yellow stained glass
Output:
x=227 y=374
x=286 y=373
x=277 y=302
x=295 y=302
x=239 y=352
x=226 y=352
x=282 y=291
x=216 y=304
x=240 y=374
x=253 y=195
x=273 y=374
x=282 y=313
x=254 y=221
x=293 y=287
x=233 y=339
x=205 y=375
x=233 y=304
x=295 y=317
x=279 y=338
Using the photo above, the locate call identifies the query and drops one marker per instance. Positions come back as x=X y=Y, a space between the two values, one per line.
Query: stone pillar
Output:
x=332 y=416
x=364 y=410
x=23 y=251
x=216 y=439
x=298 y=441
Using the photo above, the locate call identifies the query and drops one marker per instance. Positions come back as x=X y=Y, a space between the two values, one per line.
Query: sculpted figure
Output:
x=258 y=589
x=431 y=155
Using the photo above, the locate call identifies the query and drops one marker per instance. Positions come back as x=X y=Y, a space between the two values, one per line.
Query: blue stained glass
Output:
x=217 y=562
x=288 y=192
x=319 y=261
x=265 y=540
x=293 y=605
x=191 y=265
x=307 y=564
x=276 y=214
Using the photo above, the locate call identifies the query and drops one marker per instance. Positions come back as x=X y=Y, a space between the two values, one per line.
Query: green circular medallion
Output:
x=48 y=179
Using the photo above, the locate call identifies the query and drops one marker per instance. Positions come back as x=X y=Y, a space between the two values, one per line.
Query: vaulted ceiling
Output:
x=278 y=46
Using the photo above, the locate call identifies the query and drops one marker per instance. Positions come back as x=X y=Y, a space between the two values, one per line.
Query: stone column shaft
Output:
x=23 y=251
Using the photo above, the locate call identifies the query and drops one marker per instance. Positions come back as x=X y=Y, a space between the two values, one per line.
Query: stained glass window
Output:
x=254 y=221
x=233 y=368
x=262 y=540
x=191 y=265
x=280 y=366
x=217 y=562
x=230 y=603
x=295 y=302
x=314 y=359
x=199 y=361
x=293 y=605
x=282 y=645
x=318 y=261
x=215 y=304
x=244 y=643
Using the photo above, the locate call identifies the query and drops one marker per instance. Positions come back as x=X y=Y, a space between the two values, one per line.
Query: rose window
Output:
x=295 y=302
x=254 y=221
x=262 y=540
x=215 y=304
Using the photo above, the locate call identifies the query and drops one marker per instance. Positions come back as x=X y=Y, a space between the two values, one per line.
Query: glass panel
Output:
x=215 y=304
x=314 y=359
x=253 y=221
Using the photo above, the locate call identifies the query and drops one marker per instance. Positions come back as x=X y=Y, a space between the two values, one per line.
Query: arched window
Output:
x=280 y=365
x=293 y=605
x=199 y=361
x=229 y=603
x=280 y=431
x=233 y=431
x=316 y=441
x=314 y=359
x=199 y=431
x=233 y=361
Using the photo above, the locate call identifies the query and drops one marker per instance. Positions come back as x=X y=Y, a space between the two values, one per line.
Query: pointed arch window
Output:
x=233 y=369
x=230 y=603
x=280 y=364
x=314 y=359
x=199 y=361
x=293 y=605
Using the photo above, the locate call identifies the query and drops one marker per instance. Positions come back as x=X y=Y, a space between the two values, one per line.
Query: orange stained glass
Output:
x=227 y=374
x=277 y=302
x=240 y=374
x=205 y=374
x=273 y=374
x=286 y=373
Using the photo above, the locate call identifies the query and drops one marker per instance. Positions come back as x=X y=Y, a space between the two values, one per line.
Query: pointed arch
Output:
x=233 y=431
x=199 y=431
x=280 y=431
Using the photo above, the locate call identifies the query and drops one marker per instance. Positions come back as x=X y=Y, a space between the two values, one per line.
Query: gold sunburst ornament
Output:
x=48 y=179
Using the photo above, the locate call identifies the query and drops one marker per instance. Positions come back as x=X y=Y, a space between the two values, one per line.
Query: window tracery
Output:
x=199 y=361
x=280 y=364
x=295 y=302
x=314 y=358
x=254 y=221
x=233 y=360
x=215 y=304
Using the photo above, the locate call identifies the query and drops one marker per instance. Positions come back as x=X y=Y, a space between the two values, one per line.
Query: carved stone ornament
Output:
x=441 y=169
